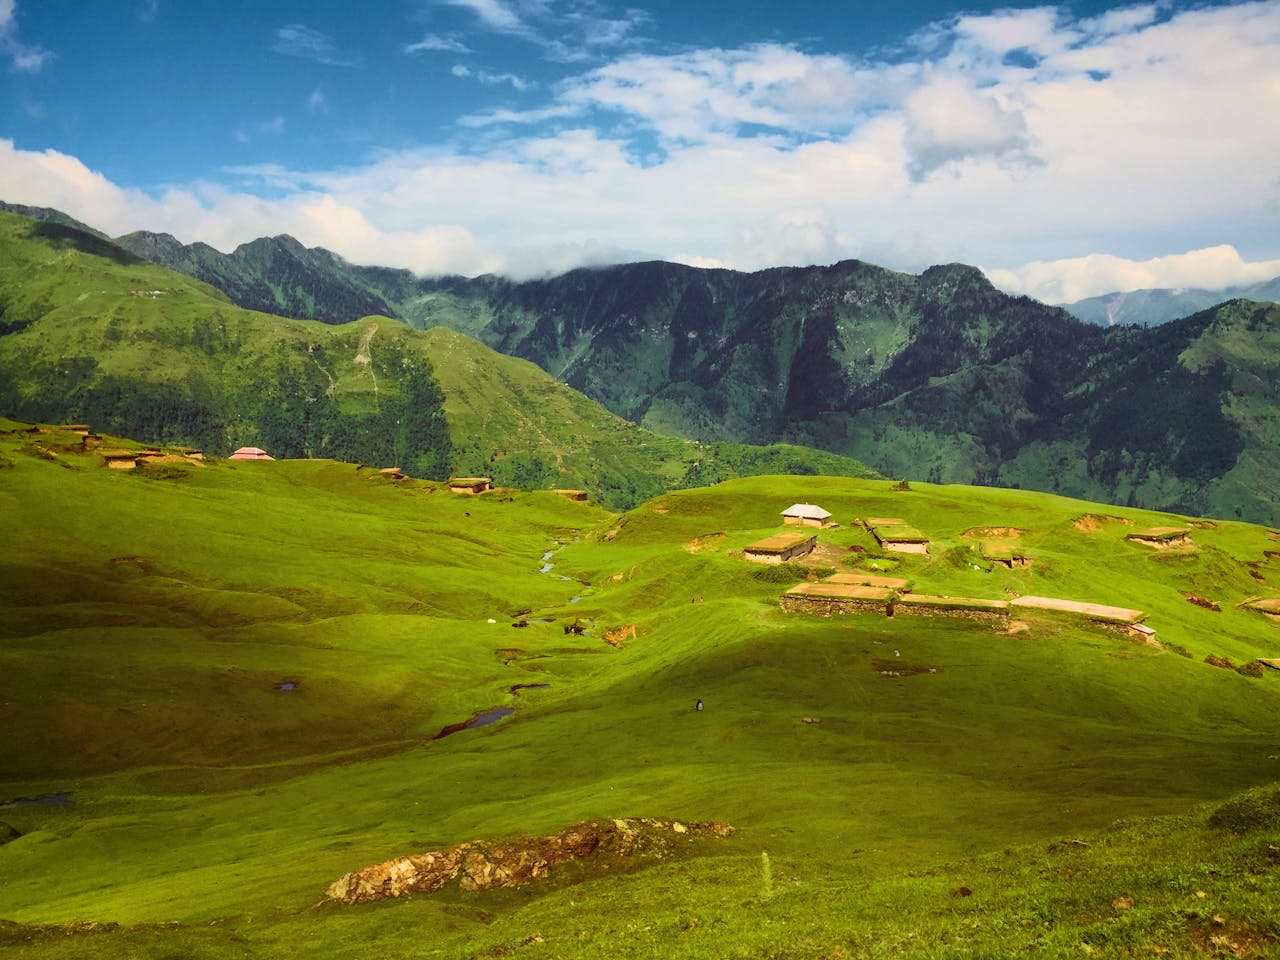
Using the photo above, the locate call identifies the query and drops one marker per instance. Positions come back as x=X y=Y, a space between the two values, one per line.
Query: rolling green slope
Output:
x=91 y=333
x=236 y=673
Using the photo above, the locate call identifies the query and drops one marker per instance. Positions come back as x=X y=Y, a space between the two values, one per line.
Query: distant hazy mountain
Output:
x=1146 y=308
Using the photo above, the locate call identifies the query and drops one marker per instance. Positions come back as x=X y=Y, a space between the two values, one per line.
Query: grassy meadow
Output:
x=236 y=672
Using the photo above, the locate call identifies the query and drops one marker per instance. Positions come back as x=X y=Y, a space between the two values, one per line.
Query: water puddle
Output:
x=287 y=685
x=49 y=800
x=482 y=719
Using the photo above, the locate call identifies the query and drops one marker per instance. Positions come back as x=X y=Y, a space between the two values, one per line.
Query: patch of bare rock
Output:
x=602 y=845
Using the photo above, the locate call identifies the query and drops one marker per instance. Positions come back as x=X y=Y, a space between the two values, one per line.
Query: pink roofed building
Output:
x=250 y=453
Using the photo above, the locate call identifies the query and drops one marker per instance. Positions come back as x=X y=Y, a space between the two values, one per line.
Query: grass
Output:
x=145 y=626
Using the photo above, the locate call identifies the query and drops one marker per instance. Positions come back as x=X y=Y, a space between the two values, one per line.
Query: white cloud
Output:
x=1065 y=281
x=949 y=122
x=434 y=42
x=317 y=102
x=1072 y=169
x=494 y=14
x=23 y=58
x=299 y=40
x=490 y=79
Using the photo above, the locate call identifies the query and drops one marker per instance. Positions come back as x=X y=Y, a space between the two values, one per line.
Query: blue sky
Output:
x=1067 y=150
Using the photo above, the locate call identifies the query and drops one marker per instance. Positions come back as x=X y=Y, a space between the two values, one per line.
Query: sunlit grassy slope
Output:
x=90 y=333
x=150 y=620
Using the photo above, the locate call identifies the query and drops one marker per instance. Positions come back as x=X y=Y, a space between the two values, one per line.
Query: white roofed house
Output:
x=806 y=515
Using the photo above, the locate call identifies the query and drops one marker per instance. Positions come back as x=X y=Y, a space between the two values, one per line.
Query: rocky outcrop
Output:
x=483 y=864
x=8 y=833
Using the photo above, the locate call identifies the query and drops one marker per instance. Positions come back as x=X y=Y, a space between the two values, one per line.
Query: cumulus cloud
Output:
x=948 y=122
x=1065 y=281
x=23 y=58
x=317 y=102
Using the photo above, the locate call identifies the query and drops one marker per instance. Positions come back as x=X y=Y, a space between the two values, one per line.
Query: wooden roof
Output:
x=899 y=533
x=779 y=542
x=1159 y=533
x=468 y=481
x=1271 y=605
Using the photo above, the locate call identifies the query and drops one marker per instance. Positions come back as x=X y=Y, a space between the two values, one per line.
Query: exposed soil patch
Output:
x=1201 y=602
x=1094 y=521
x=616 y=636
x=896 y=668
x=1216 y=661
x=1219 y=937
x=707 y=541
x=1001 y=533
x=600 y=845
x=516 y=688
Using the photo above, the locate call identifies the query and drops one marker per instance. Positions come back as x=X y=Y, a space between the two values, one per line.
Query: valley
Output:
x=231 y=709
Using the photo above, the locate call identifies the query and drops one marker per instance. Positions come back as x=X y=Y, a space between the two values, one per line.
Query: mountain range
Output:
x=938 y=376
x=1147 y=308
x=92 y=333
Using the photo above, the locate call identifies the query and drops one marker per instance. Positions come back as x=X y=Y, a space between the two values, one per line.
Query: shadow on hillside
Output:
x=63 y=237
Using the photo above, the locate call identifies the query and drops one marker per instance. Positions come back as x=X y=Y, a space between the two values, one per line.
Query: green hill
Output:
x=91 y=333
x=222 y=686
x=938 y=376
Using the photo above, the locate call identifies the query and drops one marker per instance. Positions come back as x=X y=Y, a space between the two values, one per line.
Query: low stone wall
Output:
x=959 y=613
x=830 y=606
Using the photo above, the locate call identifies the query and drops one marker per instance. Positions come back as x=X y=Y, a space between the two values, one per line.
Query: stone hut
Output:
x=826 y=599
x=895 y=536
x=1162 y=538
x=470 y=485
x=780 y=548
x=119 y=459
x=806 y=515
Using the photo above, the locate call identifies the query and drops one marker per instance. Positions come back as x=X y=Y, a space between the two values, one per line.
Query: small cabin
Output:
x=470 y=485
x=250 y=453
x=806 y=515
x=1162 y=538
x=579 y=495
x=780 y=548
x=119 y=459
x=394 y=473
x=1005 y=554
x=895 y=536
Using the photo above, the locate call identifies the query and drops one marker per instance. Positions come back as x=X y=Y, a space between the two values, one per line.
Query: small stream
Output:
x=481 y=719
x=49 y=800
